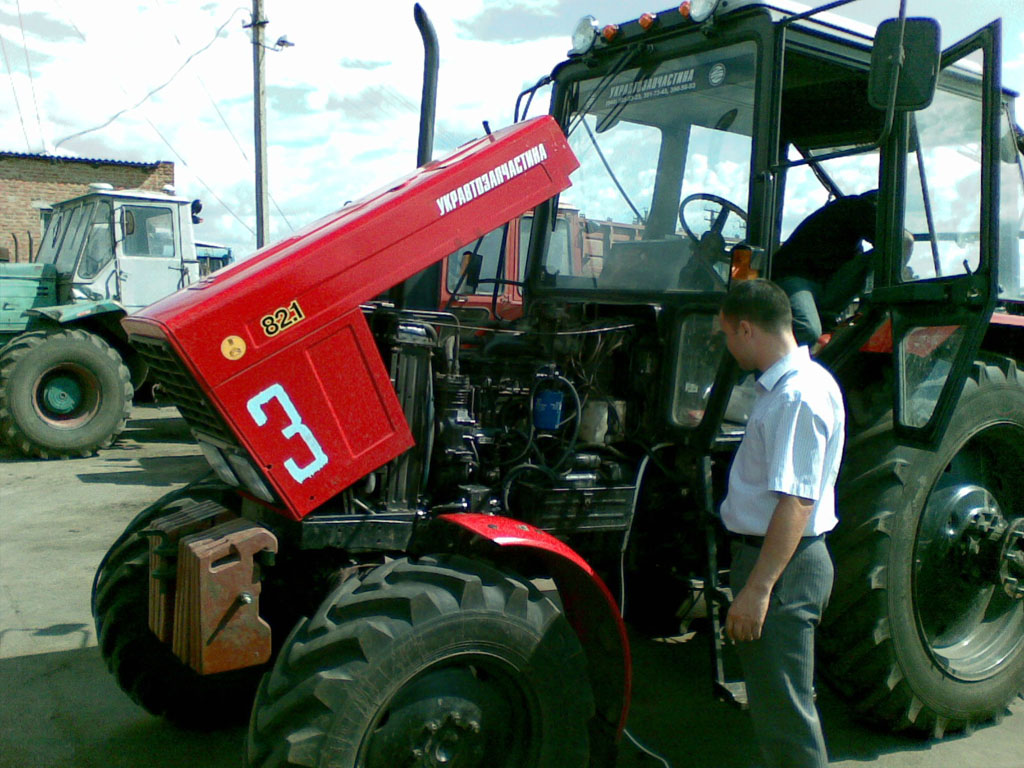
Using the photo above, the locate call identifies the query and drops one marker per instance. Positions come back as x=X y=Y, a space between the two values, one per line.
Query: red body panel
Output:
x=278 y=343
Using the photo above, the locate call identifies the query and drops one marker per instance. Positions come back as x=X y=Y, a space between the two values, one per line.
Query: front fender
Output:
x=64 y=314
x=588 y=605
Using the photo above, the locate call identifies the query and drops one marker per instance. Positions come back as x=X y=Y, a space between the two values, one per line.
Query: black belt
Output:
x=751 y=541
x=758 y=541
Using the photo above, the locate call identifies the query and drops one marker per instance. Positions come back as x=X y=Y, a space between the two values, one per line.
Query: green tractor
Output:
x=67 y=373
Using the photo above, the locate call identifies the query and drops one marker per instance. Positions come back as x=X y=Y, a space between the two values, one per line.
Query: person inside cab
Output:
x=823 y=265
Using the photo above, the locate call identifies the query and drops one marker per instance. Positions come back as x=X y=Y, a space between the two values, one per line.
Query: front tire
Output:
x=436 y=661
x=921 y=633
x=62 y=393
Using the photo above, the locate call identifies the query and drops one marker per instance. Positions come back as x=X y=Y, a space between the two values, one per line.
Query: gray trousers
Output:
x=779 y=668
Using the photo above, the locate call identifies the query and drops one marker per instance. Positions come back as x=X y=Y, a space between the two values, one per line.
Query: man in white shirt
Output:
x=780 y=503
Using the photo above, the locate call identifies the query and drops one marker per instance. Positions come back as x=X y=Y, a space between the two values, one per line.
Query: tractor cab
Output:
x=129 y=246
x=713 y=134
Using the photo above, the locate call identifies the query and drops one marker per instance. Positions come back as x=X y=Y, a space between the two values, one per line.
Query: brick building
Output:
x=29 y=183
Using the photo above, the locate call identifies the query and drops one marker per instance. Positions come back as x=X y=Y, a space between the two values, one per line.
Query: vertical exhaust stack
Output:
x=428 y=101
x=422 y=290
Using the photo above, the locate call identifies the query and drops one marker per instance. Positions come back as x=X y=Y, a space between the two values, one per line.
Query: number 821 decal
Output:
x=281 y=318
x=295 y=428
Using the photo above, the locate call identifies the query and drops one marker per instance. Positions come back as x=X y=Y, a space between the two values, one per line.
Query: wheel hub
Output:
x=969 y=580
x=62 y=395
x=449 y=718
x=451 y=740
x=1011 y=560
x=987 y=547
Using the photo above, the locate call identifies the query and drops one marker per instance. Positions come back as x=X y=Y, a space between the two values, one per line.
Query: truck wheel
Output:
x=62 y=393
x=428 y=662
x=926 y=627
x=145 y=668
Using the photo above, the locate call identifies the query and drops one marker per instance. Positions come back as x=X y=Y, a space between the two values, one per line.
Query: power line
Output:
x=225 y=123
x=155 y=90
x=198 y=178
x=31 y=79
x=14 y=90
x=150 y=122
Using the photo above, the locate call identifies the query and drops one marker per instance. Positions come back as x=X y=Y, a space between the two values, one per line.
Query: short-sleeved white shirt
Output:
x=793 y=445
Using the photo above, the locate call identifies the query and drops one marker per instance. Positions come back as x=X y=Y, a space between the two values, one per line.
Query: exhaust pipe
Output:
x=423 y=290
x=428 y=101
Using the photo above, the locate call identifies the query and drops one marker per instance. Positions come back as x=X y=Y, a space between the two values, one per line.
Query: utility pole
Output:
x=260 y=123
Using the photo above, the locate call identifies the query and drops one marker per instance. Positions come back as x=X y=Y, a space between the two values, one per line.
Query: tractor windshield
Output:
x=662 y=190
x=65 y=232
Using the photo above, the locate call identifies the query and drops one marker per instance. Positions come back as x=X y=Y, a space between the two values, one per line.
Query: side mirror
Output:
x=915 y=86
x=127 y=223
x=469 y=265
x=472 y=272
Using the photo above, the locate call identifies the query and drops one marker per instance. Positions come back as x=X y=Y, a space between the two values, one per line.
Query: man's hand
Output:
x=745 y=620
x=746 y=614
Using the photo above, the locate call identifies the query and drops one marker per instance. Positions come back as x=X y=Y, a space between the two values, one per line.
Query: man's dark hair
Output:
x=759 y=302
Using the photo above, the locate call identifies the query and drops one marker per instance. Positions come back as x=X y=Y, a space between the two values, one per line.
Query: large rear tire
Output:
x=62 y=393
x=921 y=634
x=428 y=662
x=146 y=668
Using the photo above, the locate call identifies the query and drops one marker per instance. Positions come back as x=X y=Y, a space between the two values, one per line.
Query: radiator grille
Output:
x=177 y=385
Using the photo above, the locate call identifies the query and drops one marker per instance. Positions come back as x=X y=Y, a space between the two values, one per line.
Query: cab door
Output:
x=940 y=287
x=148 y=253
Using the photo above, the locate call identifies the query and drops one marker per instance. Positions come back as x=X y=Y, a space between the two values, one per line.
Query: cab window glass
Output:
x=56 y=229
x=943 y=208
x=805 y=193
x=665 y=151
x=152 y=233
x=1011 y=215
x=488 y=250
x=559 y=252
x=99 y=245
x=72 y=243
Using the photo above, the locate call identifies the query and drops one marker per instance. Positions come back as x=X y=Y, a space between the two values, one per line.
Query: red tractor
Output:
x=403 y=557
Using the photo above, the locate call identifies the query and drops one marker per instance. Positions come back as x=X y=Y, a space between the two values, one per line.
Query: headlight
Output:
x=251 y=479
x=698 y=10
x=216 y=460
x=583 y=36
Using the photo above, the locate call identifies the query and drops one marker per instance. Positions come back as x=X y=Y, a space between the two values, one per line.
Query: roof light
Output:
x=583 y=36
x=699 y=10
x=610 y=31
x=646 y=20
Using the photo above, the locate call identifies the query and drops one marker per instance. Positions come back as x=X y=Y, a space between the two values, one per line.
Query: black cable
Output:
x=145 y=98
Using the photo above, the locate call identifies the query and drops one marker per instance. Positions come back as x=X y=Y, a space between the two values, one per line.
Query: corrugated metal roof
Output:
x=86 y=160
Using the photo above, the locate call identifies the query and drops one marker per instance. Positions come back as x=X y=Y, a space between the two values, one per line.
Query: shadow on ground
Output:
x=152 y=471
x=674 y=713
x=64 y=709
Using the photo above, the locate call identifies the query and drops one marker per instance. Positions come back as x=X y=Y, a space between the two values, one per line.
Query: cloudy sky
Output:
x=146 y=80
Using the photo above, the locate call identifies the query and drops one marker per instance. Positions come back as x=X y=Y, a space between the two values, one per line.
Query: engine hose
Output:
x=622 y=588
x=645 y=749
x=506 y=485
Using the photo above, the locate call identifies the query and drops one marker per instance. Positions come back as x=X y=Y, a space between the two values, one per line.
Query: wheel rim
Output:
x=465 y=713
x=967 y=622
x=67 y=396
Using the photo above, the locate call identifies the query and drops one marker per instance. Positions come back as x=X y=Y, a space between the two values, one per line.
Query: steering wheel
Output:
x=709 y=248
x=723 y=215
